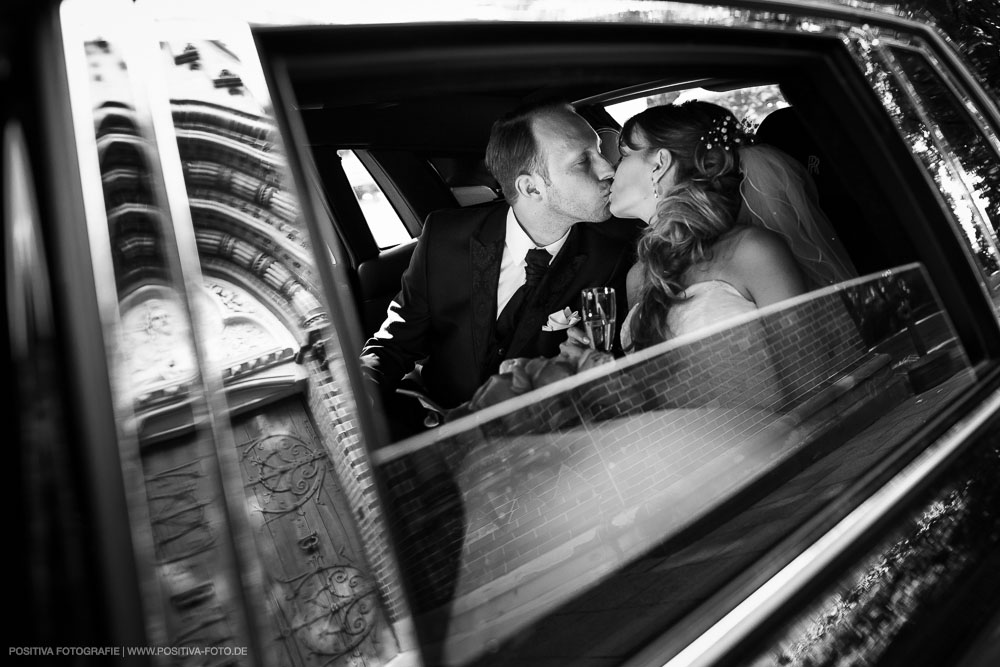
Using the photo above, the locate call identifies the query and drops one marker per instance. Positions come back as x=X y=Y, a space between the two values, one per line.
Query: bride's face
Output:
x=632 y=189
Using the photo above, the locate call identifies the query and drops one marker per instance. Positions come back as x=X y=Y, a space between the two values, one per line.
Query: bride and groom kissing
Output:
x=729 y=227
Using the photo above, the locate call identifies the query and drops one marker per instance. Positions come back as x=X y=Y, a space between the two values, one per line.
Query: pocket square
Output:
x=561 y=320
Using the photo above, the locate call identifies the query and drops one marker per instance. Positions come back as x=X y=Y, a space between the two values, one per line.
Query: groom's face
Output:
x=579 y=177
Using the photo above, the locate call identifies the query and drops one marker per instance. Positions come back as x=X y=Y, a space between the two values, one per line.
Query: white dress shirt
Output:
x=517 y=243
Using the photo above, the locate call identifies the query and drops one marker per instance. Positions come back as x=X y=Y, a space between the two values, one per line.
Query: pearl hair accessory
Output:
x=725 y=132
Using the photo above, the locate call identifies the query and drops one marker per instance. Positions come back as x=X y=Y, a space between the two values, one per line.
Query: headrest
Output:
x=609 y=144
x=785 y=130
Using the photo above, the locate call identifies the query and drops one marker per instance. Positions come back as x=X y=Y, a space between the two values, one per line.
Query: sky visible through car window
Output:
x=292 y=12
x=752 y=104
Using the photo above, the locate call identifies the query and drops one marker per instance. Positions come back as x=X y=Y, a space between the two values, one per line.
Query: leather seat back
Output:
x=378 y=280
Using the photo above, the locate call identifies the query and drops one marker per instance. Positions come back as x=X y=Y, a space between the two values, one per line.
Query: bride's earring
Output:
x=656 y=193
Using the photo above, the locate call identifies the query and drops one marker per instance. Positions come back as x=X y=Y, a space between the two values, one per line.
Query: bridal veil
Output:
x=779 y=195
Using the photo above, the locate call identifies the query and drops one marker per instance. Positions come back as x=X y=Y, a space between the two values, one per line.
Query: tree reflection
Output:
x=932 y=120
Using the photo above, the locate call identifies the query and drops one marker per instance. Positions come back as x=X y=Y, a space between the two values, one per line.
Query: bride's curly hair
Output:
x=693 y=214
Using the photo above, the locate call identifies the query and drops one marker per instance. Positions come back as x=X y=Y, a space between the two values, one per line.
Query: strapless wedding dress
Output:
x=738 y=360
x=709 y=302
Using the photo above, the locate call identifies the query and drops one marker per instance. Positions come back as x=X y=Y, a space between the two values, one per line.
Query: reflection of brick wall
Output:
x=773 y=363
x=336 y=419
x=534 y=479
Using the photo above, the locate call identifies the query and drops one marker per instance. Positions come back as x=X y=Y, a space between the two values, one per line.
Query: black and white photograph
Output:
x=502 y=333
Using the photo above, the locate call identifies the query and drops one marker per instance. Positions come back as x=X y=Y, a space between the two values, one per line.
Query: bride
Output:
x=730 y=227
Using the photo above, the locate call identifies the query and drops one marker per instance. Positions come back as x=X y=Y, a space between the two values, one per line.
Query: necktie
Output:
x=537 y=263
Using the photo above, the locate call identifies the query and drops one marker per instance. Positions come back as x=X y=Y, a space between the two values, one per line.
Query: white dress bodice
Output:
x=708 y=302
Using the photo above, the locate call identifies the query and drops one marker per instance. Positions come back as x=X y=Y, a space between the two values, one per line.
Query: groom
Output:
x=483 y=280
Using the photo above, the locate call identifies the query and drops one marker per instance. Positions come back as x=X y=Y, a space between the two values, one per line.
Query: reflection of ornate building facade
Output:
x=260 y=329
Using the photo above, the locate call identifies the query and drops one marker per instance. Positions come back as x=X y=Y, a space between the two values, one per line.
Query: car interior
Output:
x=418 y=118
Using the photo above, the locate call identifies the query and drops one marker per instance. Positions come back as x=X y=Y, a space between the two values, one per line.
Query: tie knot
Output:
x=537 y=264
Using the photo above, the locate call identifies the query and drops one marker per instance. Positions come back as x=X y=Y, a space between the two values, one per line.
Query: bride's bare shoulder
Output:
x=755 y=244
x=742 y=245
x=765 y=265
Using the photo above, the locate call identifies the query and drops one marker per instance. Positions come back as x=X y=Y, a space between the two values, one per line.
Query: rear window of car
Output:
x=385 y=224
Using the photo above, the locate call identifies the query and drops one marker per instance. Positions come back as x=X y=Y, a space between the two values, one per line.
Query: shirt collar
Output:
x=519 y=243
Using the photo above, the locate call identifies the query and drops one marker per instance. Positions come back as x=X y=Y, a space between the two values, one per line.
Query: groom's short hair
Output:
x=513 y=149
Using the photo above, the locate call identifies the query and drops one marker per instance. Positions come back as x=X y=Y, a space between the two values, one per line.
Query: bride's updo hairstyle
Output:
x=692 y=214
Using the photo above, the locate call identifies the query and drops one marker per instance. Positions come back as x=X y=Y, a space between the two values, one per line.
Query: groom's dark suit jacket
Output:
x=446 y=311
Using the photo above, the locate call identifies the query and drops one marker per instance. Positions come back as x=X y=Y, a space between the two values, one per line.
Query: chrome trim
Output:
x=779 y=590
x=304 y=12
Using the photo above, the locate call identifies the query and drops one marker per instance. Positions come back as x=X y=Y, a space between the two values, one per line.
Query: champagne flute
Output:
x=598 y=315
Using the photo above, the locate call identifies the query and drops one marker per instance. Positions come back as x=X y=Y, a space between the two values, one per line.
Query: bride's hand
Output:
x=575 y=345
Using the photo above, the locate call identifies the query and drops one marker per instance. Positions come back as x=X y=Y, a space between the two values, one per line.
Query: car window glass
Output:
x=749 y=105
x=871 y=611
x=384 y=222
x=622 y=494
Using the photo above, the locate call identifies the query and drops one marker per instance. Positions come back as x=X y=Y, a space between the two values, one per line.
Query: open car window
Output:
x=589 y=514
x=750 y=105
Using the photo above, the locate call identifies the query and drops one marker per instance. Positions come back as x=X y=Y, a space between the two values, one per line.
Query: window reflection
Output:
x=871 y=611
x=945 y=139
x=302 y=467
x=977 y=182
x=648 y=475
x=191 y=585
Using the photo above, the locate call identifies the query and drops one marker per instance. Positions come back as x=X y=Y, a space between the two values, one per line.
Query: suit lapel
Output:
x=485 y=254
x=551 y=292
